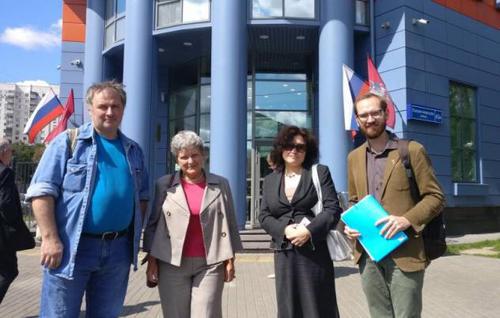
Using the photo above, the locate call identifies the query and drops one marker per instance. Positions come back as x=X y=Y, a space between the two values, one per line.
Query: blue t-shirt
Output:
x=112 y=201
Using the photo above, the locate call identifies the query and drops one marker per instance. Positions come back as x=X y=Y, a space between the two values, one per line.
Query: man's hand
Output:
x=152 y=270
x=351 y=234
x=393 y=225
x=229 y=273
x=298 y=235
x=51 y=252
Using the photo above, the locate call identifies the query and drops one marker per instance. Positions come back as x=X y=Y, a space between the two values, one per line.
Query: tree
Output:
x=27 y=153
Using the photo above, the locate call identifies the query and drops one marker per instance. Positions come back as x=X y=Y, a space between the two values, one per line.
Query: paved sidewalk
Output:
x=455 y=286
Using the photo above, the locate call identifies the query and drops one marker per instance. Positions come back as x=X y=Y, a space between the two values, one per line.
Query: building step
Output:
x=255 y=240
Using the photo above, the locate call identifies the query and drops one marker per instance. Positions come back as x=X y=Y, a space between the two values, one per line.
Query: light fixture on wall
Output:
x=187 y=43
x=386 y=25
x=263 y=36
x=422 y=21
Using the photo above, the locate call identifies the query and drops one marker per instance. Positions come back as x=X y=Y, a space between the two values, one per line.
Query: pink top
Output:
x=193 y=244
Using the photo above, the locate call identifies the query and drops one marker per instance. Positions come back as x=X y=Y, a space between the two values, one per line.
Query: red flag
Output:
x=69 y=109
x=377 y=86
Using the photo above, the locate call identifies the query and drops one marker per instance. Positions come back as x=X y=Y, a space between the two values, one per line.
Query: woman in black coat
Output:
x=305 y=285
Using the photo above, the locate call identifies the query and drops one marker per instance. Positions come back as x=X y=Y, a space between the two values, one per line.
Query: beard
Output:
x=373 y=131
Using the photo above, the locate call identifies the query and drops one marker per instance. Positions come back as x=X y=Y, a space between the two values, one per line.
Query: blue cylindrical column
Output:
x=137 y=72
x=228 y=108
x=94 y=43
x=335 y=48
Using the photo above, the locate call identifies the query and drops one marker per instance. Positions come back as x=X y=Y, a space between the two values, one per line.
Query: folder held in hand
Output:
x=362 y=217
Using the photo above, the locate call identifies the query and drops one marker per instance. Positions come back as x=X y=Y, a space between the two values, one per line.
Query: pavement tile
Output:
x=455 y=286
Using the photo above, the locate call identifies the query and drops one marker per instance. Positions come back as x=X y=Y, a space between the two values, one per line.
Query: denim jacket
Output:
x=69 y=177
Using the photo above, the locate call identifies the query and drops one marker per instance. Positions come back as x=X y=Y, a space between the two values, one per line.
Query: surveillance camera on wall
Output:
x=76 y=63
x=420 y=21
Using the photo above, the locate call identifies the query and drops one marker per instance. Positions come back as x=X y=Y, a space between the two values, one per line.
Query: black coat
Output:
x=305 y=278
x=277 y=212
x=11 y=215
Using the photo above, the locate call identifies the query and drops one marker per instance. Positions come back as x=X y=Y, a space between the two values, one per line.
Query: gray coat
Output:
x=167 y=225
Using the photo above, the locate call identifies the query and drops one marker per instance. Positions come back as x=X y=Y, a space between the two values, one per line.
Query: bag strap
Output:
x=72 y=134
x=315 y=179
x=404 y=155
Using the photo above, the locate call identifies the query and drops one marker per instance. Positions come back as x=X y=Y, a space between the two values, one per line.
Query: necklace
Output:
x=292 y=174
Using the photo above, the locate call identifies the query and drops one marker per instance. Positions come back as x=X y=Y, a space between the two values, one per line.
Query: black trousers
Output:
x=8 y=271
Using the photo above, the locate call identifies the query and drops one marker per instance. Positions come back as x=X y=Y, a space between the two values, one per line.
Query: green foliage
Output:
x=27 y=153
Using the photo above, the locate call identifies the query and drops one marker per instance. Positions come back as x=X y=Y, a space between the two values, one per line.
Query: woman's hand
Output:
x=299 y=235
x=290 y=230
x=351 y=234
x=152 y=271
x=229 y=270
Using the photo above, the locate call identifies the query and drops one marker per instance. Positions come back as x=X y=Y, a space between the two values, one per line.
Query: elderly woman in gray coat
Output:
x=191 y=235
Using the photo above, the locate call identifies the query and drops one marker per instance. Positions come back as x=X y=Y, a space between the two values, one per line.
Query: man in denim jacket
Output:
x=89 y=195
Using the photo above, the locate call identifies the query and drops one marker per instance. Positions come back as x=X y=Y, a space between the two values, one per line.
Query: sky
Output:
x=30 y=40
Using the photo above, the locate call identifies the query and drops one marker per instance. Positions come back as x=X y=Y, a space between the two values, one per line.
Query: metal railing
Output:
x=24 y=172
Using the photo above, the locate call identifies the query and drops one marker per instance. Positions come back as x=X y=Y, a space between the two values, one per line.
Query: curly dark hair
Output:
x=285 y=137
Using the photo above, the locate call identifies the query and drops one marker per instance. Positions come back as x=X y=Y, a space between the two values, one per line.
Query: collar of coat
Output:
x=359 y=168
x=276 y=184
x=212 y=191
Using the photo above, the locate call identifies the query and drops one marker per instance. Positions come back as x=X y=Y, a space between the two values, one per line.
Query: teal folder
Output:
x=362 y=217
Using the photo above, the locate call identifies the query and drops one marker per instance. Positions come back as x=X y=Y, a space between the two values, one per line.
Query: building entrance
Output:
x=273 y=100
x=259 y=169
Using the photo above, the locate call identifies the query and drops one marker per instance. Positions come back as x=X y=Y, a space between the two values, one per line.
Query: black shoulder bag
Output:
x=434 y=233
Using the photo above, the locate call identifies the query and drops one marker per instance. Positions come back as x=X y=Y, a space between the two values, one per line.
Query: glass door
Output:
x=259 y=169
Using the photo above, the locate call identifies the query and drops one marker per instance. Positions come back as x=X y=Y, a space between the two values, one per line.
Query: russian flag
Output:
x=46 y=111
x=63 y=123
x=352 y=87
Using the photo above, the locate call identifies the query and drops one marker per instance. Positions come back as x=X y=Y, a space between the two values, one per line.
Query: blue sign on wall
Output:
x=424 y=113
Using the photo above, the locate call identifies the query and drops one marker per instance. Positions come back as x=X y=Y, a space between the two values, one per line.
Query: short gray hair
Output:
x=185 y=139
x=4 y=144
x=99 y=87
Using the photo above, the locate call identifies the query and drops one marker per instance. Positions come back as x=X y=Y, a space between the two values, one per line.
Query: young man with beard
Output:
x=393 y=286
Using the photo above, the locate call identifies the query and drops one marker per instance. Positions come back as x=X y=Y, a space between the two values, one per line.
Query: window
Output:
x=463 y=133
x=302 y=9
x=279 y=99
x=114 y=29
x=174 y=12
x=362 y=13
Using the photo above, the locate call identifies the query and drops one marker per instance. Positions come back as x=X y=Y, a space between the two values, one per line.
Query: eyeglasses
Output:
x=375 y=115
x=298 y=147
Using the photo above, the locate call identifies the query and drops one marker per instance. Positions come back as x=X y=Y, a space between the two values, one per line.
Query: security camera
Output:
x=76 y=63
x=420 y=21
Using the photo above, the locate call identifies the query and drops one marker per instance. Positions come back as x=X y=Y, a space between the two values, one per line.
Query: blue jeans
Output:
x=101 y=271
